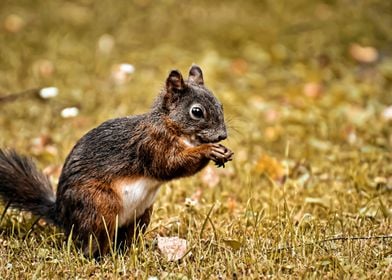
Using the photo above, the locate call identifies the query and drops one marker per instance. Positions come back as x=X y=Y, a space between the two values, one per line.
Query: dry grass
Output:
x=313 y=163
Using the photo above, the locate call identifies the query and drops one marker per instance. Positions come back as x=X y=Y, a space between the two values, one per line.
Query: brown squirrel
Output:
x=112 y=175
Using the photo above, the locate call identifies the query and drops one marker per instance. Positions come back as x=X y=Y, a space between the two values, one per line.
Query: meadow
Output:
x=307 y=93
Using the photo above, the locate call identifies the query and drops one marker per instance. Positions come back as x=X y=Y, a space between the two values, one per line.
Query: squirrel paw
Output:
x=220 y=154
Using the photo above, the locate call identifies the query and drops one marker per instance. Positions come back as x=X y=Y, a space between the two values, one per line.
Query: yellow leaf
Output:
x=270 y=166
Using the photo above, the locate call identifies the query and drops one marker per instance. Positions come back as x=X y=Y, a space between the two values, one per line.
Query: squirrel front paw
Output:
x=220 y=154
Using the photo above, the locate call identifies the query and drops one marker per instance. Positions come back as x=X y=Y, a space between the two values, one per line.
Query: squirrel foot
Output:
x=220 y=154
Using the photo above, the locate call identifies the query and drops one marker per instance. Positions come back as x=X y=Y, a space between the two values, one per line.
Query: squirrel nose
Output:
x=222 y=136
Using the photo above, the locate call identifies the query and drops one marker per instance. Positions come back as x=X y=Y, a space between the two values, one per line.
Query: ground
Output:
x=307 y=93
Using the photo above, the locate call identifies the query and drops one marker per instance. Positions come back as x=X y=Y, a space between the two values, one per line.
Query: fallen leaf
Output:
x=270 y=166
x=13 y=23
x=273 y=133
x=173 y=248
x=42 y=222
x=363 y=54
x=239 y=66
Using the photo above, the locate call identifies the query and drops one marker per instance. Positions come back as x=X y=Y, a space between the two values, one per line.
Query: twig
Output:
x=332 y=239
x=13 y=96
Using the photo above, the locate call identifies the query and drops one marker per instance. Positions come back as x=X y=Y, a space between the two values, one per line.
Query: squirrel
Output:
x=111 y=177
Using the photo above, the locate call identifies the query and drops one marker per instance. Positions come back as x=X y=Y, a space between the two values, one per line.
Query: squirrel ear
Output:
x=196 y=75
x=175 y=81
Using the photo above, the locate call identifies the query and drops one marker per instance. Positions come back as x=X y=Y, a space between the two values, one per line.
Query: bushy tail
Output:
x=24 y=187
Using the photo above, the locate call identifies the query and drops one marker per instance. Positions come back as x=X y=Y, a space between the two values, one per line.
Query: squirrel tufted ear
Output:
x=175 y=81
x=196 y=75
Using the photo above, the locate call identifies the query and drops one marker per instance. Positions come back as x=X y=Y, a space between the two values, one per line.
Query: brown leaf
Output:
x=13 y=23
x=363 y=54
x=239 y=66
x=270 y=166
x=273 y=133
x=173 y=248
x=42 y=222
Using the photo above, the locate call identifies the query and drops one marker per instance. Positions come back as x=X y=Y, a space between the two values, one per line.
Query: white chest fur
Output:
x=136 y=196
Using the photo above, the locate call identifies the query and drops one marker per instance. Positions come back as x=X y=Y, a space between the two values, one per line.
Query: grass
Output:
x=308 y=194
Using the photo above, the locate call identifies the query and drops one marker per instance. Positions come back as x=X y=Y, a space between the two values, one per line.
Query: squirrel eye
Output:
x=196 y=112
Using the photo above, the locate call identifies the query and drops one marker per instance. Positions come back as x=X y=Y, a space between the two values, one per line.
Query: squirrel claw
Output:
x=220 y=154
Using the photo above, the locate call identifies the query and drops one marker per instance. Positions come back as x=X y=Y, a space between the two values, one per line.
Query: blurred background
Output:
x=306 y=85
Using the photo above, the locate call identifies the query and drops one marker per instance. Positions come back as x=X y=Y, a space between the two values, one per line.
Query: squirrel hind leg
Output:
x=90 y=213
x=96 y=245
x=98 y=242
x=128 y=234
x=101 y=243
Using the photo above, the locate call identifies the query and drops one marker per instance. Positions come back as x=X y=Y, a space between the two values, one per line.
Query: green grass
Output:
x=313 y=163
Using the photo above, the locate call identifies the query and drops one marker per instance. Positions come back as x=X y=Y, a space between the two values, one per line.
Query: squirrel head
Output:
x=192 y=109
